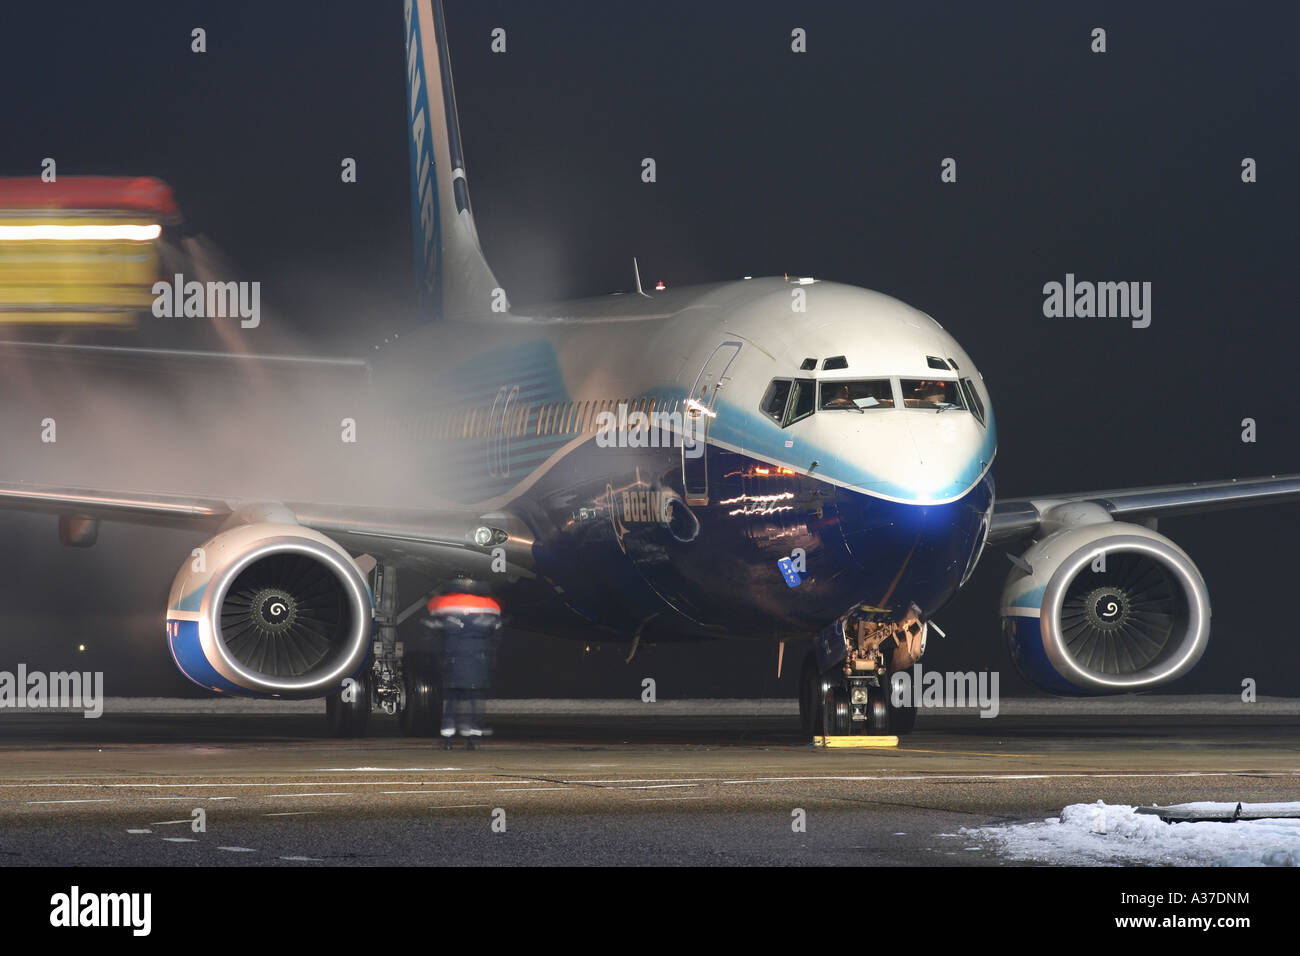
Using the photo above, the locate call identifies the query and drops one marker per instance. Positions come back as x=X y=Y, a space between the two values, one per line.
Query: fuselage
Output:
x=668 y=452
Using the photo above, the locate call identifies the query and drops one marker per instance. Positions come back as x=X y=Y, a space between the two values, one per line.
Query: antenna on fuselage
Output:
x=636 y=271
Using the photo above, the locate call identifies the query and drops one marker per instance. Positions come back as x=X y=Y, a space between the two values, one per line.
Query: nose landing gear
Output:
x=844 y=686
x=837 y=706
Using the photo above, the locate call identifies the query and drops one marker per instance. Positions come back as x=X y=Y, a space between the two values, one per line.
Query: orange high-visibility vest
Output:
x=463 y=604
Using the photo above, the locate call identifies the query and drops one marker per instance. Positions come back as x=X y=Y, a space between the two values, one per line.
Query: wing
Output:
x=192 y=361
x=1016 y=518
x=439 y=543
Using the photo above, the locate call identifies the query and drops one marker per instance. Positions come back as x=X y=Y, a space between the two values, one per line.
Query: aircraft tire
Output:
x=810 y=696
x=346 y=718
x=419 y=717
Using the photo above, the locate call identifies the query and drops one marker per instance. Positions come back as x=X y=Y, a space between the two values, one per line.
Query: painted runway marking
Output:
x=100 y=800
x=504 y=778
x=139 y=831
x=302 y=859
x=660 y=786
x=528 y=789
x=959 y=753
x=237 y=849
x=179 y=840
x=459 y=806
x=648 y=780
x=192 y=796
x=625 y=784
x=391 y=792
x=167 y=823
x=293 y=813
x=273 y=795
x=1132 y=775
x=385 y=769
x=651 y=799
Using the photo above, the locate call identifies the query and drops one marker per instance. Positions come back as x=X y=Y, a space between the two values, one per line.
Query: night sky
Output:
x=1117 y=166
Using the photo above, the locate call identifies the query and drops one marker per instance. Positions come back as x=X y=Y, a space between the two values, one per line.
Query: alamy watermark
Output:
x=76 y=908
x=918 y=688
x=57 y=690
x=208 y=300
x=654 y=429
x=1084 y=299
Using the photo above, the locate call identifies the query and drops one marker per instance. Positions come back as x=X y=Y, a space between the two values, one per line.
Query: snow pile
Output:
x=1099 y=834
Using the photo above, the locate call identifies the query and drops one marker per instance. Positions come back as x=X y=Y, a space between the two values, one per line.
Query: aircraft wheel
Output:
x=839 y=715
x=810 y=696
x=419 y=716
x=349 y=718
x=877 y=712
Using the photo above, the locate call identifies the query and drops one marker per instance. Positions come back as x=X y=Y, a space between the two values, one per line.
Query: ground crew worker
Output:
x=468 y=621
x=842 y=399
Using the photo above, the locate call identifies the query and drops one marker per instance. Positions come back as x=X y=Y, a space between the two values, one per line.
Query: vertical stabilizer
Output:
x=453 y=279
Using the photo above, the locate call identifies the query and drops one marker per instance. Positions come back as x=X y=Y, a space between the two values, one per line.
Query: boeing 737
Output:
x=778 y=459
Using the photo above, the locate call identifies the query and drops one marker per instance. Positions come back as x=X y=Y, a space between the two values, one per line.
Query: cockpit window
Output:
x=774 y=401
x=935 y=362
x=931 y=393
x=835 y=362
x=972 y=396
x=861 y=395
x=803 y=400
x=786 y=400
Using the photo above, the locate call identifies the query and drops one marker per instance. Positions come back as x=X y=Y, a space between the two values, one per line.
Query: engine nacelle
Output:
x=1105 y=608
x=270 y=609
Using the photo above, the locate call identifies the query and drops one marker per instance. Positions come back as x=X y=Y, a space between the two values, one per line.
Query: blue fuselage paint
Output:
x=604 y=539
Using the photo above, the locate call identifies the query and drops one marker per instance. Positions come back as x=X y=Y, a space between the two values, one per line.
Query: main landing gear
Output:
x=396 y=682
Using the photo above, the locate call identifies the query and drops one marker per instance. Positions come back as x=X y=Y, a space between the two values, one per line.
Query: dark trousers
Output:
x=463 y=710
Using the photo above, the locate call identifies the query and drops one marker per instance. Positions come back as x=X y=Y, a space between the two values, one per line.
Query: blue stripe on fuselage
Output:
x=535 y=367
x=600 y=537
x=757 y=434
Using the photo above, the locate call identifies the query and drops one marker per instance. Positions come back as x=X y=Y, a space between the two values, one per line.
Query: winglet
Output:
x=636 y=270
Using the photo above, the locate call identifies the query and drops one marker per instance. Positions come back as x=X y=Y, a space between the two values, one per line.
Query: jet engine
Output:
x=1105 y=608
x=270 y=609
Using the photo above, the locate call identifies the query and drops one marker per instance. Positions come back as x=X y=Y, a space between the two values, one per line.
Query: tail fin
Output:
x=452 y=277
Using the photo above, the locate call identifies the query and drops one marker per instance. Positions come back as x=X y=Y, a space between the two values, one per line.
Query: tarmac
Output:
x=242 y=783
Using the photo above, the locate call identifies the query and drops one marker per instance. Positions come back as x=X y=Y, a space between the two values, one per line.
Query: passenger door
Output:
x=697 y=415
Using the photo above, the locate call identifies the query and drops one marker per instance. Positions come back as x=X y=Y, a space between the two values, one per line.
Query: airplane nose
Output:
x=948 y=448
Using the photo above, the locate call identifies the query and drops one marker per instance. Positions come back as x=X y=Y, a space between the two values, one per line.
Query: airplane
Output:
x=778 y=458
